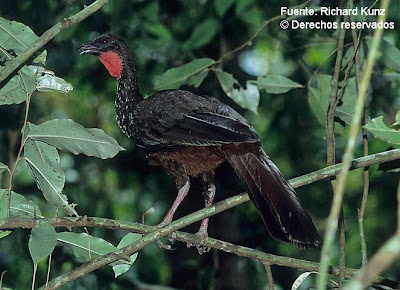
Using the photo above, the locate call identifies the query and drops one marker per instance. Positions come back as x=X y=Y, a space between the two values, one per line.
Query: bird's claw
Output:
x=201 y=248
x=172 y=237
x=164 y=246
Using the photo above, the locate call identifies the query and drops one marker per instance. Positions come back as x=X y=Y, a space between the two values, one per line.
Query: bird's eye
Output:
x=105 y=41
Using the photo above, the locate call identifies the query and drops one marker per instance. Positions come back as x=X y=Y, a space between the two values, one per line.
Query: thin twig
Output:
x=48 y=272
x=47 y=36
x=269 y=276
x=34 y=276
x=257 y=33
x=348 y=155
x=361 y=210
x=398 y=208
x=28 y=101
x=330 y=145
x=1 y=279
x=382 y=259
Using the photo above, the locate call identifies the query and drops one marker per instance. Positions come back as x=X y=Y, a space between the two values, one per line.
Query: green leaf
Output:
x=15 y=35
x=4 y=234
x=392 y=76
x=318 y=97
x=203 y=33
x=175 y=77
x=3 y=167
x=383 y=132
x=151 y=11
x=69 y=135
x=85 y=246
x=122 y=266
x=275 y=84
x=248 y=98
x=397 y=122
x=390 y=55
x=46 y=81
x=41 y=58
x=16 y=89
x=227 y=81
x=158 y=30
x=317 y=104
x=19 y=206
x=346 y=110
x=221 y=6
x=242 y=6
x=197 y=79
x=42 y=241
x=44 y=162
x=349 y=55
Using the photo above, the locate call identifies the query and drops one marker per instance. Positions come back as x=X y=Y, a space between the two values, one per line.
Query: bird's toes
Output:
x=172 y=238
x=164 y=246
x=201 y=248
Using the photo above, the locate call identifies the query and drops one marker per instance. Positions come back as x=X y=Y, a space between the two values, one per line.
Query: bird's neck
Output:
x=128 y=87
x=128 y=97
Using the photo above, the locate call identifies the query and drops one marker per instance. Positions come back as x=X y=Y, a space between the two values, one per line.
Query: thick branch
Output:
x=153 y=236
x=70 y=222
x=354 y=164
x=47 y=36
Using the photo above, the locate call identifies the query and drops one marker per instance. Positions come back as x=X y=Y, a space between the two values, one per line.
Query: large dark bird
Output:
x=190 y=136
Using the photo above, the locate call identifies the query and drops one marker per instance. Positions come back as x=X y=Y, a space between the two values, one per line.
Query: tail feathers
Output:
x=282 y=212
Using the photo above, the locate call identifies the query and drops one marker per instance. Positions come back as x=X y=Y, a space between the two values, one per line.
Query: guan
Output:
x=189 y=136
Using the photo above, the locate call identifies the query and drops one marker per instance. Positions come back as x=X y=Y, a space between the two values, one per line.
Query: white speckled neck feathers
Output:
x=128 y=96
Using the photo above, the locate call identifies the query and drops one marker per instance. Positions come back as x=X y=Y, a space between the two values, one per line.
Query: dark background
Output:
x=157 y=33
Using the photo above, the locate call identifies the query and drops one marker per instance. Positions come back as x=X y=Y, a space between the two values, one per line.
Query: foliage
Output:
x=179 y=44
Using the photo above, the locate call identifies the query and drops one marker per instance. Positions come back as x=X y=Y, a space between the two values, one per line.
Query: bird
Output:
x=190 y=135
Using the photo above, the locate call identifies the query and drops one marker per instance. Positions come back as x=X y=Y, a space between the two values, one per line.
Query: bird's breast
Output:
x=193 y=160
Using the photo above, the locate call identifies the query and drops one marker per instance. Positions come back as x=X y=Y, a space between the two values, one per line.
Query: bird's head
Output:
x=110 y=49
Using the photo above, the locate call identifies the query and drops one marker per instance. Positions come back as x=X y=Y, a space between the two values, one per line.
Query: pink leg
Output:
x=170 y=214
x=208 y=198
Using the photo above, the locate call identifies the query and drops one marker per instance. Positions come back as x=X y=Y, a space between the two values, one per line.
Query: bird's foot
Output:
x=164 y=246
x=171 y=237
x=201 y=247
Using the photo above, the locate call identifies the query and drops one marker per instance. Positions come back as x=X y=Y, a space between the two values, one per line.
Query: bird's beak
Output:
x=89 y=48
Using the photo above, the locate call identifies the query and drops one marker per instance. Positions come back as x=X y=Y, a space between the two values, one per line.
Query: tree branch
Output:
x=47 y=36
x=70 y=222
x=151 y=237
x=329 y=171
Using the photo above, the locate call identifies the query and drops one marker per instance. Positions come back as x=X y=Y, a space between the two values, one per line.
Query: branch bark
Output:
x=49 y=35
x=71 y=222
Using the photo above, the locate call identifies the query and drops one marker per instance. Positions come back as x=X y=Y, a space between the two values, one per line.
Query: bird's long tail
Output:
x=282 y=212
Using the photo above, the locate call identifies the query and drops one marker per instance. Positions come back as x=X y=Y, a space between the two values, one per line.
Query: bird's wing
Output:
x=177 y=118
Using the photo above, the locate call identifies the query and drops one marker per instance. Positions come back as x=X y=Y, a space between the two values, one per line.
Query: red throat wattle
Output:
x=113 y=62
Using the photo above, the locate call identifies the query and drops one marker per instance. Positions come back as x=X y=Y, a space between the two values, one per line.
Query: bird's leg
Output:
x=183 y=191
x=209 y=194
